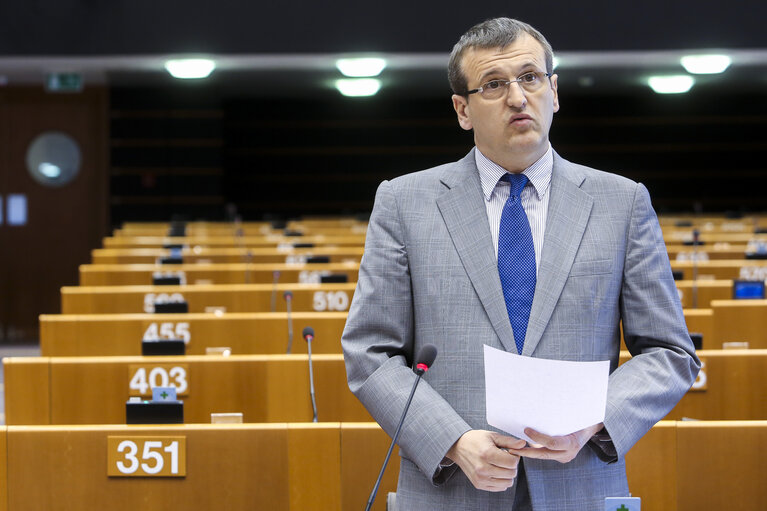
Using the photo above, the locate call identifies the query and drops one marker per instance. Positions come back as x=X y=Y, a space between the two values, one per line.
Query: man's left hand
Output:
x=558 y=448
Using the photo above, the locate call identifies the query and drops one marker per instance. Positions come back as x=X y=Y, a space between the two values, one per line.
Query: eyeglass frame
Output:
x=507 y=83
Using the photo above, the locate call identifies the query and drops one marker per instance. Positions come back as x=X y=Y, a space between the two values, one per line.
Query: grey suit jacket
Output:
x=429 y=275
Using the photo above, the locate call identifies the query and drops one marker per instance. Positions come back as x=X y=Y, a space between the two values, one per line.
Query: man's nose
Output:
x=515 y=97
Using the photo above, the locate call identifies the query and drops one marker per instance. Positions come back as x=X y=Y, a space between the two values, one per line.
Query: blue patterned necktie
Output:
x=516 y=259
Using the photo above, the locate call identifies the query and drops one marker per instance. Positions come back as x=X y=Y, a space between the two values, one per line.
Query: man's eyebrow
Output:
x=527 y=66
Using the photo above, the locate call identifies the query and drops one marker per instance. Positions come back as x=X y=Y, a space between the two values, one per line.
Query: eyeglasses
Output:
x=494 y=89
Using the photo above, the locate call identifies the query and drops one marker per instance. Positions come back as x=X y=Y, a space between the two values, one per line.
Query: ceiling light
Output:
x=190 y=68
x=358 y=87
x=554 y=62
x=705 y=64
x=671 y=84
x=361 y=67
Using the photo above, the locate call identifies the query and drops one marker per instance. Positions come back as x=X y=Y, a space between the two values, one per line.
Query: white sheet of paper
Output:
x=554 y=397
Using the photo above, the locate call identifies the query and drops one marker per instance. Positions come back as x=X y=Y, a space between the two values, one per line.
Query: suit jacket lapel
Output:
x=462 y=208
x=568 y=214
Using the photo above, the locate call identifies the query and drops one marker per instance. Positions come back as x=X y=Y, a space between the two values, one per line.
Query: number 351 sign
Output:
x=139 y=456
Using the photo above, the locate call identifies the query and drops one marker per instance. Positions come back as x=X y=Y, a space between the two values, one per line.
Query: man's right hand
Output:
x=482 y=457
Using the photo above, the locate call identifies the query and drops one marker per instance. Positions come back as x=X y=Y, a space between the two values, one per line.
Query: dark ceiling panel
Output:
x=96 y=27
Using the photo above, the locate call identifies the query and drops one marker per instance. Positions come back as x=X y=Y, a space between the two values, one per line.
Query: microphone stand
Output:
x=419 y=372
x=288 y=295
x=311 y=377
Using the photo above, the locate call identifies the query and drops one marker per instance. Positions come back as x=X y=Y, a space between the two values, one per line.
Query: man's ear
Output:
x=556 y=92
x=461 y=106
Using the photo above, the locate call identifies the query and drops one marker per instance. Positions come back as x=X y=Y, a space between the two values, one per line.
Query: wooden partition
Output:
x=225 y=255
x=706 y=291
x=274 y=388
x=702 y=321
x=353 y=240
x=264 y=388
x=306 y=467
x=723 y=269
x=245 y=333
x=741 y=320
x=232 y=297
x=712 y=252
x=236 y=273
x=291 y=467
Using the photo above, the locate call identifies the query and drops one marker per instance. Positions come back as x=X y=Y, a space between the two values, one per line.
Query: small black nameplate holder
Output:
x=149 y=412
x=171 y=307
x=162 y=347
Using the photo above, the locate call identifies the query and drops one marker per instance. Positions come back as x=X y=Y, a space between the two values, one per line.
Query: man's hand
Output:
x=483 y=458
x=558 y=448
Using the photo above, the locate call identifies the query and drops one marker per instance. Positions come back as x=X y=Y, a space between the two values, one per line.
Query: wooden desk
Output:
x=202 y=255
x=702 y=321
x=245 y=333
x=291 y=467
x=91 y=390
x=707 y=290
x=723 y=269
x=301 y=466
x=354 y=240
x=735 y=387
x=236 y=273
x=233 y=297
x=740 y=320
x=712 y=252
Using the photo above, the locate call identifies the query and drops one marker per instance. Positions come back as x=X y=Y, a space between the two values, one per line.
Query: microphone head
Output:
x=425 y=357
x=288 y=295
x=308 y=332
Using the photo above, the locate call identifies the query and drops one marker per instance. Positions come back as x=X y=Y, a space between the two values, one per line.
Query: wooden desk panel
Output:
x=251 y=333
x=141 y=274
x=352 y=240
x=294 y=467
x=713 y=252
x=651 y=468
x=722 y=465
x=719 y=269
x=234 y=297
x=706 y=290
x=269 y=388
x=741 y=320
x=735 y=387
x=319 y=466
x=702 y=321
x=279 y=467
x=225 y=255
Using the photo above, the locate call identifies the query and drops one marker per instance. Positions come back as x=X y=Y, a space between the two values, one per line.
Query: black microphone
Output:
x=308 y=334
x=288 y=296
x=423 y=362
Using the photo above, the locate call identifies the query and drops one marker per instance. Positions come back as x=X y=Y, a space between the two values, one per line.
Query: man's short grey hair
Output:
x=493 y=33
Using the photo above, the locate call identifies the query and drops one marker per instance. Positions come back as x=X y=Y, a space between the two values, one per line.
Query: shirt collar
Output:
x=539 y=173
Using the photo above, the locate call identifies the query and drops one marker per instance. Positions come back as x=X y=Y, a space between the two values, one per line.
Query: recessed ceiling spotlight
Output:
x=671 y=84
x=361 y=67
x=190 y=68
x=358 y=87
x=705 y=64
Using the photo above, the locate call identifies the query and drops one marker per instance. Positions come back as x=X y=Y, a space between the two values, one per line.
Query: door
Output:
x=52 y=226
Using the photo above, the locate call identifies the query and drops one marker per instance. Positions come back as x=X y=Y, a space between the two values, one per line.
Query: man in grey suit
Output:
x=437 y=269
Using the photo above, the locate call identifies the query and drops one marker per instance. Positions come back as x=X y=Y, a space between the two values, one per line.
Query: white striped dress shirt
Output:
x=535 y=196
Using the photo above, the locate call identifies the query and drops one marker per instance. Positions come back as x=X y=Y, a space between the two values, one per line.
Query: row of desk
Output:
x=677 y=466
